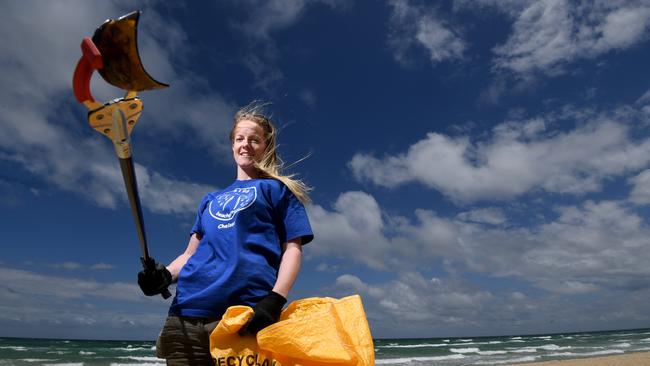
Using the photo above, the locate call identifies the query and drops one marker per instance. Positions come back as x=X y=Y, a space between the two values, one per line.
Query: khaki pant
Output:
x=186 y=341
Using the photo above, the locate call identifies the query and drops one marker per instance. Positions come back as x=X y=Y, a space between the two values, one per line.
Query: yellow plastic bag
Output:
x=311 y=332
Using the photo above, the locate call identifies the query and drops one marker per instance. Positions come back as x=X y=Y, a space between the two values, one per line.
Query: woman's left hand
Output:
x=267 y=312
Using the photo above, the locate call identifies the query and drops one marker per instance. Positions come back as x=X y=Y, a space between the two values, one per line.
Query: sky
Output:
x=479 y=167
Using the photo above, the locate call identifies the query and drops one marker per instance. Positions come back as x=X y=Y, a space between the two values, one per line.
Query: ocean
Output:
x=423 y=351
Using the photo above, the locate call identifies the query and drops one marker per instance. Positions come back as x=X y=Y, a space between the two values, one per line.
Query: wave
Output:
x=14 y=348
x=425 y=345
x=397 y=361
x=522 y=350
x=623 y=335
x=464 y=350
x=553 y=347
x=133 y=349
x=421 y=345
x=586 y=354
x=492 y=353
x=508 y=361
x=141 y=358
x=37 y=360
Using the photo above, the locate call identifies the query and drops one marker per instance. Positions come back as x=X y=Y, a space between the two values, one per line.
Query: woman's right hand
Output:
x=154 y=278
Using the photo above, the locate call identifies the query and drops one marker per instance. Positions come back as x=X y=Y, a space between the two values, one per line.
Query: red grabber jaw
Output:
x=113 y=51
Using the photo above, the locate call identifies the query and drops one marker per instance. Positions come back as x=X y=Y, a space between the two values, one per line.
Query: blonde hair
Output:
x=270 y=166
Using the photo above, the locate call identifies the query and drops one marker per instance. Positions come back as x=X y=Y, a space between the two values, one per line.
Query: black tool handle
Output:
x=131 y=185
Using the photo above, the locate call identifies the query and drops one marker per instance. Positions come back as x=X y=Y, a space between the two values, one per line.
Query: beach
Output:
x=630 y=359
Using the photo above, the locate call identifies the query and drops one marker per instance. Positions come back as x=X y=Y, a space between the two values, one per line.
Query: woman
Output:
x=245 y=247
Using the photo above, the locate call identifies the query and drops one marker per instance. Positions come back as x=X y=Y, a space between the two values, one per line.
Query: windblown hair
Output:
x=270 y=166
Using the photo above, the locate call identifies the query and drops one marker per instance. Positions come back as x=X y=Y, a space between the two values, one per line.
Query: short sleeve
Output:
x=198 y=226
x=293 y=218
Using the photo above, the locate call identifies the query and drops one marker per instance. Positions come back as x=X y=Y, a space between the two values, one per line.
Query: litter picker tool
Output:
x=113 y=52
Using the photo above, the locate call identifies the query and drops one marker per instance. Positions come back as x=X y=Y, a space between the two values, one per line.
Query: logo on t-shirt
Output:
x=227 y=204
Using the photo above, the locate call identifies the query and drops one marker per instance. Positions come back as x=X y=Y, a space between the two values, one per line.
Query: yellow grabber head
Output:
x=117 y=42
x=113 y=51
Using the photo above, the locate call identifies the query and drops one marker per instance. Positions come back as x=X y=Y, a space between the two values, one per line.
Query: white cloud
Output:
x=518 y=158
x=644 y=99
x=641 y=188
x=412 y=305
x=355 y=282
x=326 y=267
x=541 y=37
x=63 y=288
x=490 y=215
x=644 y=103
x=547 y=35
x=102 y=266
x=168 y=196
x=45 y=131
x=266 y=17
x=415 y=27
x=355 y=223
x=623 y=27
x=263 y=19
x=72 y=304
x=586 y=247
x=67 y=265
x=595 y=248
x=271 y=16
x=73 y=266
x=594 y=244
x=573 y=287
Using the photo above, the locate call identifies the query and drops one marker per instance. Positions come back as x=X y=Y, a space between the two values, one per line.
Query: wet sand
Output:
x=629 y=359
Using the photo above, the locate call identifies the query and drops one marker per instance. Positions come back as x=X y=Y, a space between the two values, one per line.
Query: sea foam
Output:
x=142 y=358
x=397 y=361
x=14 y=348
x=511 y=360
x=421 y=345
x=464 y=350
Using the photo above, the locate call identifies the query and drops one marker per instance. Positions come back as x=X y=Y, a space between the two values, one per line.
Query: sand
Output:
x=630 y=359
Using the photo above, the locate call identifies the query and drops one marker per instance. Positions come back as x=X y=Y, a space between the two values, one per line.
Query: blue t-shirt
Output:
x=243 y=228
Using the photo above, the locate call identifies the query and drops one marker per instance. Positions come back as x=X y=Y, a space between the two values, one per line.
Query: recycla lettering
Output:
x=244 y=360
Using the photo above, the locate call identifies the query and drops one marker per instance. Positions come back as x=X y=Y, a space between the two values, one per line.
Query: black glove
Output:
x=154 y=278
x=267 y=312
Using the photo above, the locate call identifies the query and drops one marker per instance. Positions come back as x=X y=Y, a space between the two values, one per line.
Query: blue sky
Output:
x=480 y=167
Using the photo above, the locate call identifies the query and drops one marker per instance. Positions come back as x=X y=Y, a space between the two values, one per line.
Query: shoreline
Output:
x=626 y=359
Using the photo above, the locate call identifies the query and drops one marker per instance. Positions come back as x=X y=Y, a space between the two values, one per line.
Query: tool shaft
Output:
x=131 y=185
